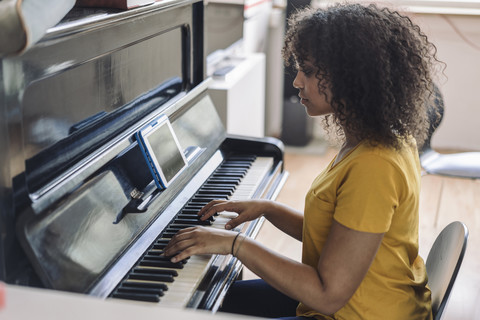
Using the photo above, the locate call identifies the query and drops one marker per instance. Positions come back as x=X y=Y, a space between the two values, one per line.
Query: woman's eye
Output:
x=307 y=72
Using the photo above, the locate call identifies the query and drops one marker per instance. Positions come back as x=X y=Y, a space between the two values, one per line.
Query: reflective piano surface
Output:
x=79 y=209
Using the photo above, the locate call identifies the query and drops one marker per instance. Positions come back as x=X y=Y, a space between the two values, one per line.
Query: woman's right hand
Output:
x=247 y=210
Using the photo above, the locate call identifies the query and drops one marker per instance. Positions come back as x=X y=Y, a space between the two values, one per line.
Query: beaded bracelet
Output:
x=235 y=239
x=239 y=245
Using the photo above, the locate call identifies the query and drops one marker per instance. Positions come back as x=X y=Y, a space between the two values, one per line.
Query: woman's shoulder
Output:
x=407 y=147
x=377 y=157
x=402 y=161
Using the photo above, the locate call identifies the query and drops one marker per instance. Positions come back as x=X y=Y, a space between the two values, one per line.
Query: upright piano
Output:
x=80 y=211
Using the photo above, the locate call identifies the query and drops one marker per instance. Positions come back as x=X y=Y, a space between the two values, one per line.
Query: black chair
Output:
x=462 y=164
x=443 y=263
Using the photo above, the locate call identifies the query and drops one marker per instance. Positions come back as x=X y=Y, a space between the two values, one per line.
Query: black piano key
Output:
x=151 y=276
x=231 y=177
x=224 y=181
x=168 y=235
x=155 y=251
x=193 y=208
x=231 y=161
x=206 y=199
x=242 y=157
x=173 y=228
x=184 y=225
x=196 y=217
x=160 y=245
x=228 y=175
x=171 y=272
x=193 y=212
x=216 y=191
x=153 y=291
x=229 y=187
x=189 y=222
x=200 y=202
x=137 y=296
x=231 y=169
x=191 y=216
x=193 y=205
x=189 y=210
x=237 y=164
x=186 y=215
x=211 y=196
x=171 y=231
x=194 y=222
x=236 y=172
x=161 y=242
x=145 y=284
x=161 y=264
x=157 y=255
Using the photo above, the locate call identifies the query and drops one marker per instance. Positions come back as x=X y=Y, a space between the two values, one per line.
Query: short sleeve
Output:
x=369 y=194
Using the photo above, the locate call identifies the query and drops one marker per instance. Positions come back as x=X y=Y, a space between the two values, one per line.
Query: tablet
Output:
x=162 y=151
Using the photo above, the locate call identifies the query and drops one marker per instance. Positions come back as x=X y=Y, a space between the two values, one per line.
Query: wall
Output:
x=454 y=27
x=457 y=38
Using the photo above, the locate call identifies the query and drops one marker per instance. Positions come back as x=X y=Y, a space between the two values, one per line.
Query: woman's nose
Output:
x=297 y=82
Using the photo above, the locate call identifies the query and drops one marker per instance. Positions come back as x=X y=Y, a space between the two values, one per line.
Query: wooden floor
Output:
x=443 y=200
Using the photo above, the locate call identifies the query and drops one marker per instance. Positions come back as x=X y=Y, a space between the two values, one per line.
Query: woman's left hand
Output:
x=199 y=240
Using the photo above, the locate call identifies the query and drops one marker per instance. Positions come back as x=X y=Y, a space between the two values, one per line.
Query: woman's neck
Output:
x=351 y=140
x=350 y=143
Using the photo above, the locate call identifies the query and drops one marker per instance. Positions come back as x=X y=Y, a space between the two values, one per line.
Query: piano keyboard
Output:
x=154 y=278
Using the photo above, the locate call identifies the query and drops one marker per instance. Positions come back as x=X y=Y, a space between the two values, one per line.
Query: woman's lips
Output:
x=303 y=100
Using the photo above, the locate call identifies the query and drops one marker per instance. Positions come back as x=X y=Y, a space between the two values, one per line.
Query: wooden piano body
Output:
x=71 y=167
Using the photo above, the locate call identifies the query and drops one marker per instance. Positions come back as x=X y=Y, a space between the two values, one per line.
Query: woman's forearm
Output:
x=299 y=281
x=285 y=218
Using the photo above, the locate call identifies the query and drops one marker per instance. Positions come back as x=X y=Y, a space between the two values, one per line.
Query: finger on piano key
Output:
x=192 y=216
x=227 y=214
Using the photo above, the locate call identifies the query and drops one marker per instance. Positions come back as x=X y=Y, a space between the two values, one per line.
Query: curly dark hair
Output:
x=377 y=63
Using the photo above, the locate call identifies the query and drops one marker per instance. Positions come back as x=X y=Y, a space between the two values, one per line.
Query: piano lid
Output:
x=73 y=101
x=76 y=91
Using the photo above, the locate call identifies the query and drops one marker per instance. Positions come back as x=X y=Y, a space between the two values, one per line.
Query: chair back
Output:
x=443 y=263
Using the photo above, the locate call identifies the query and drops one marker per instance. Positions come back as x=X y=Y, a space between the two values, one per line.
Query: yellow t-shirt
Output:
x=373 y=189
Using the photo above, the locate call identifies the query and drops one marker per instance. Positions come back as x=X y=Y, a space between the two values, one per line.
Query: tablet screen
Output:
x=162 y=150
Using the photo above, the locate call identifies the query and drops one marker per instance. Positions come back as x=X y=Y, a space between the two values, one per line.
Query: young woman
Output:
x=368 y=71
